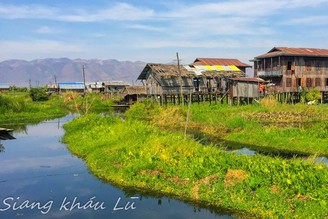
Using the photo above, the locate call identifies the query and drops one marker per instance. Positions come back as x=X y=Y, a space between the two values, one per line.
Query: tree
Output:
x=313 y=95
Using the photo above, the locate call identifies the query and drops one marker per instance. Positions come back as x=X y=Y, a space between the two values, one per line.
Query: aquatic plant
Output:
x=134 y=154
x=281 y=129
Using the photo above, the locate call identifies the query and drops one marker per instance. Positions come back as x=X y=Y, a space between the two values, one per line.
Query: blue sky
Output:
x=153 y=31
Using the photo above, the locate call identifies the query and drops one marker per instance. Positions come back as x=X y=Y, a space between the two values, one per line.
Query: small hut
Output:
x=246 y=88
x=114 y=87
x=134 y=94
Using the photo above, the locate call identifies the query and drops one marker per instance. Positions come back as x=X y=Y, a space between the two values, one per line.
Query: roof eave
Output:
x=257 y=58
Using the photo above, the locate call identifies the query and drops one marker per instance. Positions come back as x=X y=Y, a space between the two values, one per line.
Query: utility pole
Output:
x=179 y=70
x=83 y=71
x=29 y=81
x=56 y=86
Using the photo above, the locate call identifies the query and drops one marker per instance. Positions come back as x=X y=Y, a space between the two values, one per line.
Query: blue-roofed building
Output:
x=4 y=87
x=71 y=86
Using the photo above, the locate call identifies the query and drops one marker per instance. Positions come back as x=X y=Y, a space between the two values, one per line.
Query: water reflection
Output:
x=38 y=169
x=2 y=148
x=321 y=160
x=5 y=134
x=245 y=151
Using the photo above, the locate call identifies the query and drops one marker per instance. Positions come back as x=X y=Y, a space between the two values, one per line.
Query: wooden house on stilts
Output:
x=292 y=70
x=184 y=83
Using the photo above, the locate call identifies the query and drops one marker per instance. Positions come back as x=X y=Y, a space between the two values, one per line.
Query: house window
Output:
x=318 y=82
x=318 y=67
x=196 y=84
x=289 y=65
x=299 y=82
x=308 y=66
x=288 y=82
x=309 y=82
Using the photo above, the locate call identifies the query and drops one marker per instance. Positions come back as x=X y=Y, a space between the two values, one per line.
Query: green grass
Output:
x=135 y=154
x=280 y=129
x=17 y=107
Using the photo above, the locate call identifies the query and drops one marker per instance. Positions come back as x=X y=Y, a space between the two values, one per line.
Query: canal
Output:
x=40 y=178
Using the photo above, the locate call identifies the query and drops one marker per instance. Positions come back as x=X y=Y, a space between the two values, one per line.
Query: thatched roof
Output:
x=165 y=71
x=130 y=90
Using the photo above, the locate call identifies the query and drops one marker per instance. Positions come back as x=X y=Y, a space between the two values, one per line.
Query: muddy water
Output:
x=39 y=178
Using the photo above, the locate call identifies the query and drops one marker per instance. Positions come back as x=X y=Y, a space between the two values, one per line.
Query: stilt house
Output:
x=293 y=69
x=161 y=79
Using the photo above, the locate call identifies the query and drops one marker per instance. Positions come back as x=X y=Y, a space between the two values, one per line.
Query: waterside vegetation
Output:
x=36 y=104
x=269 y=127
x=18 y=107
x=148 y=151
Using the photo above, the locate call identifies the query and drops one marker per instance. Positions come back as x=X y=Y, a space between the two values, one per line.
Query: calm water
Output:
x=39 y=178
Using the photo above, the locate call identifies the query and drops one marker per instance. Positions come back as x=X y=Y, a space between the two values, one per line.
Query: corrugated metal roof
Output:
x=4 y=86
x=187 y=70
x=71 y=85
x=214 y=68
x=257 y=80
x=288 y=51
x=116 y=83
x=219 y=61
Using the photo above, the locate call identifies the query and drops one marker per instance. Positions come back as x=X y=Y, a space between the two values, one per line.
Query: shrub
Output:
x=313 y=95
x=12 y=104
x=268 y=102
x=39 y=94
x=17 y=89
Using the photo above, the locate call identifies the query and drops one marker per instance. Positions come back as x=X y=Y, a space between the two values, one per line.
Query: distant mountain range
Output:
x=44 y=71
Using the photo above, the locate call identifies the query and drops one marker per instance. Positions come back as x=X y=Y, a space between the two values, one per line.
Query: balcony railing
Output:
x=269 y=73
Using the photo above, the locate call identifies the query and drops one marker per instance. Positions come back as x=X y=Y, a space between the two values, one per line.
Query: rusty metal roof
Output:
x=287 y=51
x=219 y=61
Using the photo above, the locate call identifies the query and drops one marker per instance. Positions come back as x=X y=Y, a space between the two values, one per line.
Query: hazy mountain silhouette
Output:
x=44 y=71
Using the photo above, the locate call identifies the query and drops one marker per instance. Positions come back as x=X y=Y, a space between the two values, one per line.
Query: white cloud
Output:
x=316 y=20
x=37 y=49
x=187 y=44
x=48 y=30
x=231 y=17
x=231 y=24
x=118 y=12
x=26 y=11
x=145 y=27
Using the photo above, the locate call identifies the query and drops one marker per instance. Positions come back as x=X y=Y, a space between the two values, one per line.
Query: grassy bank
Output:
x=18 y=107
x=136 y=154
x=269 y=127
